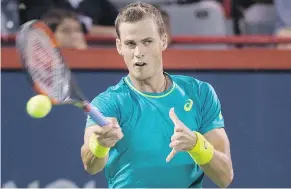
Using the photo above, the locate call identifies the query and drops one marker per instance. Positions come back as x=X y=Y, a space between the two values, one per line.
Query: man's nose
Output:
x=139 y=52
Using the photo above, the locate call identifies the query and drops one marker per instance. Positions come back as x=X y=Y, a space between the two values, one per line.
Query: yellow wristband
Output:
x=203 y=151
x=98 y=150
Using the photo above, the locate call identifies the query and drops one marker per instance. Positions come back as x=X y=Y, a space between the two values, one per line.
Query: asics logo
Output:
x=188 y=105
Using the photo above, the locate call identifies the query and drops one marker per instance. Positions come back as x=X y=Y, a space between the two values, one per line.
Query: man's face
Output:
x=141 y=46
x=69 y=34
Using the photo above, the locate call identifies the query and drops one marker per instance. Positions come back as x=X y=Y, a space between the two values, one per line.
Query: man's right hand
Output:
x=107 y=135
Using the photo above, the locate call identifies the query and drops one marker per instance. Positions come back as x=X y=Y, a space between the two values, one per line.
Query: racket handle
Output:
x=97 y=116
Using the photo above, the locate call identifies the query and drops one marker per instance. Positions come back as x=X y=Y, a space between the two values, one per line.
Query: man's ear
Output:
x=164 y=44
x=118 y=46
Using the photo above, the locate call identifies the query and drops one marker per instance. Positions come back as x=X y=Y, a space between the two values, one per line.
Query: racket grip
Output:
x=96 y=115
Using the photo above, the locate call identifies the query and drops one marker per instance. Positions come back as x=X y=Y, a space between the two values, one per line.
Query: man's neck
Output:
x=156 y=84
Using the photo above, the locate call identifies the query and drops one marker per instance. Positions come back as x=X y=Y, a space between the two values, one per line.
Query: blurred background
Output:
x=241 y=47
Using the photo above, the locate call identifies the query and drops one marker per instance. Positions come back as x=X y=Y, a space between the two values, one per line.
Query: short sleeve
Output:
x=211 y=109
x=106 y=104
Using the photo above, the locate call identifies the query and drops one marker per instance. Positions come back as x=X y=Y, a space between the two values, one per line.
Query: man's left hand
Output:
x=183 y=138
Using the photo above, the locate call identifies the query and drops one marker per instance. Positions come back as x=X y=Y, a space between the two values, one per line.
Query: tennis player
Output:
x=164 y=131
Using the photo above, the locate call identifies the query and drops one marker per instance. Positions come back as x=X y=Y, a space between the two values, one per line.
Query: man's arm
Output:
x=106 y=137
x=219 y=169
x=215 y=159
x=92 y=164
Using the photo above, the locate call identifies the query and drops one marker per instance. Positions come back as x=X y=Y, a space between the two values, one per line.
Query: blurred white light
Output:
x=9 y=24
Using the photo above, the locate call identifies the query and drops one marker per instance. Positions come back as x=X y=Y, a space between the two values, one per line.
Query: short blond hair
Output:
x=137 y=11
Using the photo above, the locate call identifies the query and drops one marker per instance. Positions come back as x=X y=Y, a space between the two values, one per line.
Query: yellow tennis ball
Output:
x=38 y=106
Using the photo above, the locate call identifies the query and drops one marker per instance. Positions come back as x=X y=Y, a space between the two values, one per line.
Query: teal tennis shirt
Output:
x=139 y=159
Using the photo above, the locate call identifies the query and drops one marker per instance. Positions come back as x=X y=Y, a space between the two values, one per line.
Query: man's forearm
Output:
x=219 y=169
x=92 y=164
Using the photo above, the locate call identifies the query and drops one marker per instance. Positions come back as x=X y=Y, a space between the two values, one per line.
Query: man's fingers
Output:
x=174 y=117
x=177 y=136
x=103 y=130
x=98 y=129
x=113 y=121
x=178 y=129
x=94 y=129
x=114 y=133
x=108 y=142
x=171 y=155
x=107 y=128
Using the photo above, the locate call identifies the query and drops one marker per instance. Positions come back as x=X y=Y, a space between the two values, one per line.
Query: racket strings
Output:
x=47 y=68
x=43 y=61
x=44 y=66
x=40 y=66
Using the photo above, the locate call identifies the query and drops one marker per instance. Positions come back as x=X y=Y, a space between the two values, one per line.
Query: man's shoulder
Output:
x=119 y=88
x=188 y=81
x=197 y=86
x=115 y=91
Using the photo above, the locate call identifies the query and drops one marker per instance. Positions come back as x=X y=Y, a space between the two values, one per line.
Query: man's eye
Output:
x=130 y=43
x=148 y=42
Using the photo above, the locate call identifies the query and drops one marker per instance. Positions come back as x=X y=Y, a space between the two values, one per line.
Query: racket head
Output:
x=42 y=60
x=46 y=68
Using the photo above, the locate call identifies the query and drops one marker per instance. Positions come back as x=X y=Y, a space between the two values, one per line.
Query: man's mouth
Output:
x=140 y=64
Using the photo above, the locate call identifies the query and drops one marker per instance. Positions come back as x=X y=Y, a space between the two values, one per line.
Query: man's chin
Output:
x=140 y=76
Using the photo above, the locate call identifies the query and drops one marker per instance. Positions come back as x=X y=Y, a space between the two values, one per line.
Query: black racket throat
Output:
x=76 y=97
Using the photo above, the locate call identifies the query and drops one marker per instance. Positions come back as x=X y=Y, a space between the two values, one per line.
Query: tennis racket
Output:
x=47 y=71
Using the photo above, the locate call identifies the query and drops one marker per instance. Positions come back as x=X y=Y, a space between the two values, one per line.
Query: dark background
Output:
x=256 y=107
